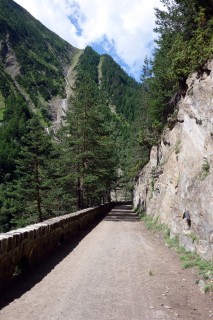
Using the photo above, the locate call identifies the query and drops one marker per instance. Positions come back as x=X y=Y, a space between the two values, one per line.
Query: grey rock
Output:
x=186 y=167
x=201 y=285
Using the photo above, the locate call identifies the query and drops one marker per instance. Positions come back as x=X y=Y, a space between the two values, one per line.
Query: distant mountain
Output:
x=39 y=66
x=33 y=60
x=119 y=89
x=40 y=74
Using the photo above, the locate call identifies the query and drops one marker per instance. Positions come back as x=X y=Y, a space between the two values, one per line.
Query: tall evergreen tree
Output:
x=88 y=144
x=11 y=130
x=32 y=187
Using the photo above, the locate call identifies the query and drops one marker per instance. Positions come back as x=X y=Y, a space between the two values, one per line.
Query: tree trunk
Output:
x=38 y=196
x=79 y=196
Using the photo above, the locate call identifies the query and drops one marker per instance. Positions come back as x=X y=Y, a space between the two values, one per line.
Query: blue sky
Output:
x=121 y=28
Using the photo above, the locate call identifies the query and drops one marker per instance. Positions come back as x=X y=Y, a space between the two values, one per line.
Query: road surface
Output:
x=117 y=270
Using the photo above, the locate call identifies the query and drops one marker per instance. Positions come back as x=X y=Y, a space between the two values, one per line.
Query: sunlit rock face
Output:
x=179 y=175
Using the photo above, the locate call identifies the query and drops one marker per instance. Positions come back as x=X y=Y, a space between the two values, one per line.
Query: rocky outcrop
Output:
x=59 y=107
x=11 y=64
x=179 y=175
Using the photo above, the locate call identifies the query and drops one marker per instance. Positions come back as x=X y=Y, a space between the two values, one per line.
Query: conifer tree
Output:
x=89 y=145
x=32 y=188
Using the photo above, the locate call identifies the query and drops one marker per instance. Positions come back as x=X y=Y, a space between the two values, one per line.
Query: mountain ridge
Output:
x=36 y=60
x=63 y=132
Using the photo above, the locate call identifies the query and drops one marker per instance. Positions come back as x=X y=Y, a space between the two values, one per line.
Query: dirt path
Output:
x=117 y=271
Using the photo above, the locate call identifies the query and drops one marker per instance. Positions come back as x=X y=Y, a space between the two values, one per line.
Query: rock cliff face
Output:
x=179 y=175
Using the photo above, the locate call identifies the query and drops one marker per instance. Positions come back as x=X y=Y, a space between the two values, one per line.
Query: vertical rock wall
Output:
x=179 y=175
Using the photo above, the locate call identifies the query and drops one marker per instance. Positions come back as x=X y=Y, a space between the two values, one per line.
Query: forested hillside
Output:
x=34 y=57
x=33 y=61
x=111 y=123
x=120 y=94
x=120 y=89
x=44 y=172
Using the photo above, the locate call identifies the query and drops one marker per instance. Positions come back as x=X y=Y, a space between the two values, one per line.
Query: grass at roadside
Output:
x=189 y=259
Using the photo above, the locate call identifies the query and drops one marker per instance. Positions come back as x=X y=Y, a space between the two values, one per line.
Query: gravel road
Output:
x=117 y=270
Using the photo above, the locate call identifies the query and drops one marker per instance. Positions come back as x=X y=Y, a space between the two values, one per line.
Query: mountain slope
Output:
x=34 y=63
x=38 y=75
x=34 y=60
x=120 y=89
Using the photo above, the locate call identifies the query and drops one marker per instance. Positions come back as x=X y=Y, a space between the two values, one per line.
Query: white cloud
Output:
x=126 y=24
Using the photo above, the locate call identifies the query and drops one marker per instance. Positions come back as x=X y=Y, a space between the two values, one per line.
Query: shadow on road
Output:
x=24 y=282
x=122 y=213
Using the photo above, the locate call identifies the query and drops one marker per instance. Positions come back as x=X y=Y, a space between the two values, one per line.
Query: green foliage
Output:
x=89 y=145
x=204 y=170
x=77 y=169
x=113 y=121
x=184 y=44
x=120 y=89
x=1 y=114
x=5 y=86
x=206 y=167
x=14 y=126
x=41 y=59
x=177 y=146
x=40 y=175
x=208 y=288
x=119 y=95
x=193 y=237
x=190 y=259
x=41 y=54
x=189 y=55
x=27 y=197
x=88 y=63
x=152 y=223
x=172 y=242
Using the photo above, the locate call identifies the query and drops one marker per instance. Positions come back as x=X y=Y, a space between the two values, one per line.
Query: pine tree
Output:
x=32 y=188
x=12 y=128
x=88 y=144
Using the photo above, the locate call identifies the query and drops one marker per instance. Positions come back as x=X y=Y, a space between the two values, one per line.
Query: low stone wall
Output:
x=25 y=247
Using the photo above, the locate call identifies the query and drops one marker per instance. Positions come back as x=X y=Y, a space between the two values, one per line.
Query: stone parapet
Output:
x=25 y=247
